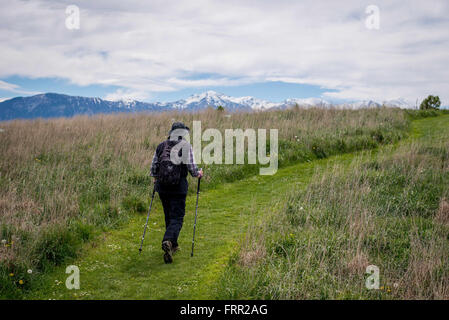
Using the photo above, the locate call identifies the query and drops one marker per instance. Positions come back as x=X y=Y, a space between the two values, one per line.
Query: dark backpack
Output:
x=169 y=173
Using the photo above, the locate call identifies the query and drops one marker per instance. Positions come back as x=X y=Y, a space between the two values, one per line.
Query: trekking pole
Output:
x=196 y=213
x=148 y=216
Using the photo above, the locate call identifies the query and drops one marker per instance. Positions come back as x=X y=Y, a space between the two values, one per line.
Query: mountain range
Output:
x=49 y=105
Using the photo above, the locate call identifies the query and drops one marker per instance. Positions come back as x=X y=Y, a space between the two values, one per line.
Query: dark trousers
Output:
x=174 y=209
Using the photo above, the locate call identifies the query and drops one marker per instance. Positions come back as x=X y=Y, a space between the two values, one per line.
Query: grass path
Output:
x=111 y=267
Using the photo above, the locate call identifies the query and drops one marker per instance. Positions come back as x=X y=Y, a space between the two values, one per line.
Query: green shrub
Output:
x=431 y=102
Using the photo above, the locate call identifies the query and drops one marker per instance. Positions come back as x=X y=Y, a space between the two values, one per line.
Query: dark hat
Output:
x=178 y=125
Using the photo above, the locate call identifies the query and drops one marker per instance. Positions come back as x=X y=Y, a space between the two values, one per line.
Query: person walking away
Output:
x=172 y=161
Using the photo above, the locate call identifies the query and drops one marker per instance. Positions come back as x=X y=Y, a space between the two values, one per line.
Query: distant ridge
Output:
x=49 y=105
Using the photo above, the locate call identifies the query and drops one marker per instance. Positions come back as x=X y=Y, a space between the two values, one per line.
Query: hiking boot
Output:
x=168 y=249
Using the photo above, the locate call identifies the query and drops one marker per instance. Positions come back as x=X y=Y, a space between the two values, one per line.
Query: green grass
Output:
x=113 y=268
x=64 y=182
x=382 y=210
x=110 y=265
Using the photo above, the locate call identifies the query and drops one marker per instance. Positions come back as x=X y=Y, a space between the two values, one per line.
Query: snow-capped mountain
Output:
x=209 y=99
x=50 y=105
x=307 y=103
x=400 y=103
x=359 y=104
x=59 y=105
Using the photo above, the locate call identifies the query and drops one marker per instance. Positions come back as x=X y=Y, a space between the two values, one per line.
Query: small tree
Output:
x=431 y=102
x=220 y=108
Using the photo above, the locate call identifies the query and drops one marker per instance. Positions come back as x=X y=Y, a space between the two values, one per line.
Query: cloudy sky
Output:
x=159 y=50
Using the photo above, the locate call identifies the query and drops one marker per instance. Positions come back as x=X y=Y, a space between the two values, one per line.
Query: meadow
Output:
x=64 y=182
x=389 y=209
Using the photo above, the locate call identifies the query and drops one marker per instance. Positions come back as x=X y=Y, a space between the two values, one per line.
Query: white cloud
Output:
x=163 y=45
x=126 y=95
x=14 y=88
x=8 y=86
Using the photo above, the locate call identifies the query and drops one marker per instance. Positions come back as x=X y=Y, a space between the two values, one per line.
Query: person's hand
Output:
x=200 y=173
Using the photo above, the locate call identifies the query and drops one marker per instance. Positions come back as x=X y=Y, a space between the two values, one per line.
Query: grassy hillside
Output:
x=66 y=181
x=390 y=209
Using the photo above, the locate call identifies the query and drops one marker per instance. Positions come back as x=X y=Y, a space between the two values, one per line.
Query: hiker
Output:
x=172 y=161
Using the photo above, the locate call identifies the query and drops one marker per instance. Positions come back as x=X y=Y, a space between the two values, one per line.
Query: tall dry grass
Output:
x=390 y=211
x=61 y=180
